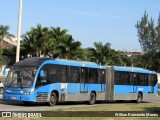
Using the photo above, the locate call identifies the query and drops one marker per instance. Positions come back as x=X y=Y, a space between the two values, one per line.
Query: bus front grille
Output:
x=41 y=97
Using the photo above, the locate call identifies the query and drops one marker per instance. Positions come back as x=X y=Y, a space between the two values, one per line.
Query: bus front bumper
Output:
x=13 y=97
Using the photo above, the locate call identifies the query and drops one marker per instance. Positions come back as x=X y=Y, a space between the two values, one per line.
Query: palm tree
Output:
x=53 y=42
x=35 y=39
x=69 y=48
x=4 y=34
x=56 y=37
x=40 y=37
x=28 y=44
x=57 y=33
x=99 y=53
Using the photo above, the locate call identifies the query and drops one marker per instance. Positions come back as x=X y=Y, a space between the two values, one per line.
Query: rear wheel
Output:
x=92 y=98
x=53 y=99
x=139 y=98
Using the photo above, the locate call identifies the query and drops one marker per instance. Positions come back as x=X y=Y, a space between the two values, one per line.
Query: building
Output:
x=7 y=43
x=131 y=54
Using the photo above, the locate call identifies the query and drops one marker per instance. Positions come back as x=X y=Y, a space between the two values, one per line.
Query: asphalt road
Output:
x=19 y=106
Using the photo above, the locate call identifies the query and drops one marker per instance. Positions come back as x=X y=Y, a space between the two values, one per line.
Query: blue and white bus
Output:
x=59 y=80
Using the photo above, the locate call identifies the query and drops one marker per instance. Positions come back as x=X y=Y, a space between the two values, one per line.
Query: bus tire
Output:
x=53 y=99
x=139 y=98
x=92 y=98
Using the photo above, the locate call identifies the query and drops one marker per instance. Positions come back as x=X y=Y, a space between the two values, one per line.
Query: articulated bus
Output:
x=59 y=80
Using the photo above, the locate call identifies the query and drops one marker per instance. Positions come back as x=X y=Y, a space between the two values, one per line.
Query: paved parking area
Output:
x=19 y=106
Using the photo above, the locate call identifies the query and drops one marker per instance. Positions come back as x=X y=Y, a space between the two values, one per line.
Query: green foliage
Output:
x=52 y=42
x=57 y=43
x=4 y=34
x=9 y=51
x=2 y=60
x=147 y=34
x=103 y=54
x=149 y=38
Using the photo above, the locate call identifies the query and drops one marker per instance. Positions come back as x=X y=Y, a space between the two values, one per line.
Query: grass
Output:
x=86 y=118
x=117 y=107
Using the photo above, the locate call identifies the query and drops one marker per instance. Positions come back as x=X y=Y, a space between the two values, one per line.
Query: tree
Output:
x=149 y=39
x=98 y=54
x=103 y=54
x=69 y=48
x=52 y=42
x=2 y=60
x=56 y=37
x=40 y=36
x=28 y=44
x=114 y=58
x=158 y=33
x=4 y=34
x=34 y=40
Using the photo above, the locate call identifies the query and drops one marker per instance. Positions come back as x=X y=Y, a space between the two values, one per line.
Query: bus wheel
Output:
x=139 y=98
x=53 y=99
x=92 y=98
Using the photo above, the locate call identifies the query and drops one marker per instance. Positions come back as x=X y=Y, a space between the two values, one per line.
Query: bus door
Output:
x=150 y=83
x=84 y=80
x=133 y=81
x=102 y=80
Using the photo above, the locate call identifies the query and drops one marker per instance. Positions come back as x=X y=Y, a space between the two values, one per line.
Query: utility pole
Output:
x=19 y=30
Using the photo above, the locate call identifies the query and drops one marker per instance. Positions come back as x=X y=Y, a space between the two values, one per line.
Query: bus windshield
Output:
x=21 y=78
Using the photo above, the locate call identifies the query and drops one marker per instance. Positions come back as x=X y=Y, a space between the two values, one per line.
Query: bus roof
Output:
x=37 y=61
x=133 y=69
x=33 y=61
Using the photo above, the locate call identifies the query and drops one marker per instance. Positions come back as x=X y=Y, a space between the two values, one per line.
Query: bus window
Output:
x=53 y=73
x=152 y=80
x=155 y=80
x=101 y=76
x=122 y=78
x=74 y=76
x=93 y=75
x=142 y=79
x=57 y=73
x=62 y=73
x=42 y=77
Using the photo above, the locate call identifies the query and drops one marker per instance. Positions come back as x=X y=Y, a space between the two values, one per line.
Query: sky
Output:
x=88 y=21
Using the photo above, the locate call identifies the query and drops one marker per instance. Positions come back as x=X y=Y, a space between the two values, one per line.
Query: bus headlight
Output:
x=27 y=92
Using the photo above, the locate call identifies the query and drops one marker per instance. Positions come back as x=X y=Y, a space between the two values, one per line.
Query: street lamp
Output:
x=19 y=31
